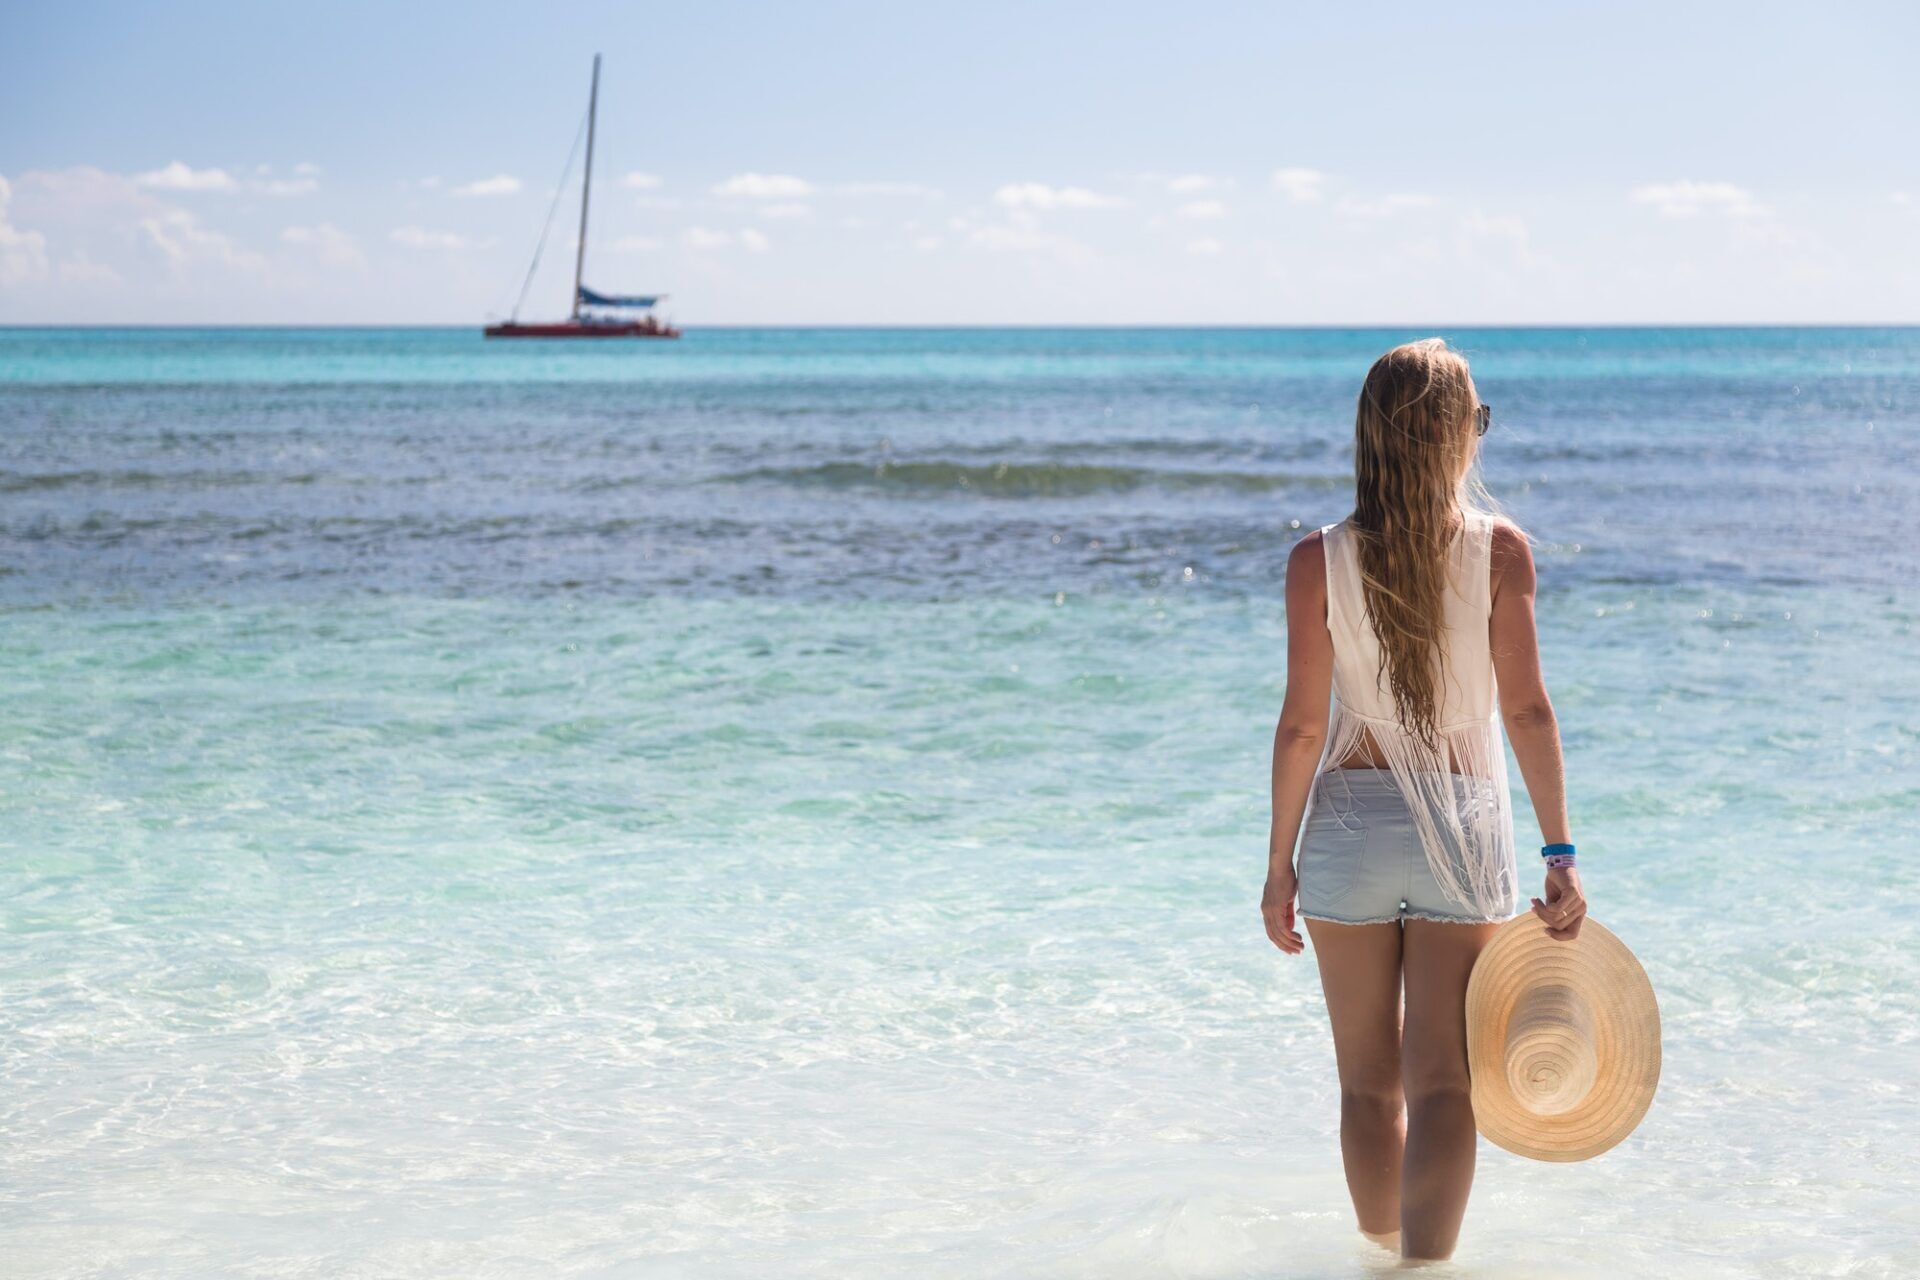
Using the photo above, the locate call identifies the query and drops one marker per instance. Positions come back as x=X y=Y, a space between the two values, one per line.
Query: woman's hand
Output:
x=1565 y=906
x=1276 y=907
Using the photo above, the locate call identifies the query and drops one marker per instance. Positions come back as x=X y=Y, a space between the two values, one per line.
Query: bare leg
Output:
x=1360 y=973
x=1440 y=1132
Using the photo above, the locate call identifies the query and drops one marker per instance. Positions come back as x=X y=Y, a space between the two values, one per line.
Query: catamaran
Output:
x=595 y=314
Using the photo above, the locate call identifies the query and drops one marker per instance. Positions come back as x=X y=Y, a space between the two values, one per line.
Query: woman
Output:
x=1402 y=621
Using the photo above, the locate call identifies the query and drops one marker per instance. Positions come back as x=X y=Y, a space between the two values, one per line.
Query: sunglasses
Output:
x=1482 y=418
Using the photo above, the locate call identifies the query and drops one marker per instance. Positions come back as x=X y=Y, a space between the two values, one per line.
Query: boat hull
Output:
x=571 y=329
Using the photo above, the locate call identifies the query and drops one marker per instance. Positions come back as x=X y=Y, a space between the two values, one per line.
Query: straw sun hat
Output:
x=1563 y=1040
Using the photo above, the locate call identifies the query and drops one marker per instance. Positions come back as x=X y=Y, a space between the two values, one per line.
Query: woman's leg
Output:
x=1360 y=973
x=1440 y=1132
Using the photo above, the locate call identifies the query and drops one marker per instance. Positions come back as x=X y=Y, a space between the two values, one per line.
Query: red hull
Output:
x=574 y=329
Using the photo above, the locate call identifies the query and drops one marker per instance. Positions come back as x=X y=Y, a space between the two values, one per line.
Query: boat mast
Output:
x=586 y=188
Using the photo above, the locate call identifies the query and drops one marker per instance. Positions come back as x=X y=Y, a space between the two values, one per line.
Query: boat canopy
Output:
x=591 y=299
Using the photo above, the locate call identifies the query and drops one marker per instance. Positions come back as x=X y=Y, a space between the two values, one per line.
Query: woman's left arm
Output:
x=1301 y=733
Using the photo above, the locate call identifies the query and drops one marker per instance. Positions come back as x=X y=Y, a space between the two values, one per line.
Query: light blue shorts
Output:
x=1360 y=856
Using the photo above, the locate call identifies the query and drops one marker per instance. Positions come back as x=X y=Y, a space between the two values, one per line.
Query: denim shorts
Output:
x=1361 y=860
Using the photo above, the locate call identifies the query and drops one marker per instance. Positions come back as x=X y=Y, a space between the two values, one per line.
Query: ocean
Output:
x=794 y=802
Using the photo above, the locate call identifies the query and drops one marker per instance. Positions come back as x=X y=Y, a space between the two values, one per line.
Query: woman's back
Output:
x=1466 y=686
x=1455 y=785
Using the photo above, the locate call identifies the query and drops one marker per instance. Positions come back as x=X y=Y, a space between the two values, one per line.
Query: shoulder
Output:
x=1307 y=562
x=1307 y=587
x=1512 y=552
x=1509 y=539
x=1307 y=571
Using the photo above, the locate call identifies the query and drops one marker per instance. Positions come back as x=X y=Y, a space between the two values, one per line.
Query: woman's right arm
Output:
x=1528 y=714
x=1298 y=737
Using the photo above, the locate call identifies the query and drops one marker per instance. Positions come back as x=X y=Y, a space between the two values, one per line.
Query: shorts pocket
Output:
x=1332 y=847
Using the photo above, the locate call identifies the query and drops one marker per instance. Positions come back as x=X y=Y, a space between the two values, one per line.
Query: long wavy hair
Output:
x=1414 y=449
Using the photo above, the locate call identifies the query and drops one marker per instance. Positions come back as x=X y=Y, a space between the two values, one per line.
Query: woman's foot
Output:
x=1388 y=1240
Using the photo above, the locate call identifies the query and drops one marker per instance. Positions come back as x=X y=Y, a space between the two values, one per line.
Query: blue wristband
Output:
x=1548 y=850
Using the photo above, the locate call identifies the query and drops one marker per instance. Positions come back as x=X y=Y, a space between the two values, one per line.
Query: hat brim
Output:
x=1626 y=1038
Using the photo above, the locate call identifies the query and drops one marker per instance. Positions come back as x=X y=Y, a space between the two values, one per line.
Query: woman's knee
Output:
x=1376 y=1087
x=1439 y=1101
x=1443 y=1077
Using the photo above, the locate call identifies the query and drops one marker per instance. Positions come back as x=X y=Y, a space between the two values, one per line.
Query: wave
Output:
x=32 y=482
x=1021 y=479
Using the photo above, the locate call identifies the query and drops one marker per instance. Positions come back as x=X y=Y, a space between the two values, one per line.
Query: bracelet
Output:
x=1557 y=855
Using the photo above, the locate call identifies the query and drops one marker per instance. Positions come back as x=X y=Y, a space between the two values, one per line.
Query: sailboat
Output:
x=595 y=314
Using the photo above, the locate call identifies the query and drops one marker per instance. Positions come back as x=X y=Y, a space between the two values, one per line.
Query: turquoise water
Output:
x=794 y=802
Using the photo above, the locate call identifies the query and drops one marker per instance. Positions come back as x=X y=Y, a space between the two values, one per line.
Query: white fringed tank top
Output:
x=1456 y=792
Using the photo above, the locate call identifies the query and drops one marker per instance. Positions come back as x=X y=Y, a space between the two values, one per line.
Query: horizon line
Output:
x=1148 y=326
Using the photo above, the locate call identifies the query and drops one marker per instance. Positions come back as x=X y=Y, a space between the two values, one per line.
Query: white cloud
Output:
x=1691 y=199
x=1206 y=247
x=1038 y=195
x=701 y=238
x=1202 y=209
x=1021 y=232
x=1504 y=237
x=889 y=189
x=765 y=186
x=181 y=177
x=1901 y=198
x=1189 y=183
x=1302 y=186
x=784 y=211
x=637 y=181
x=638 y=244
x=333 y=245
x=1770 y=232
x=441 y=241
x=101 y=217
x=23 y=254
x=178 y=177
x=183 y=241
x=81 y=268
x=927 y=244
x=1007 y=237
x=305 y=179
x=500 y=184
x=1386 y=206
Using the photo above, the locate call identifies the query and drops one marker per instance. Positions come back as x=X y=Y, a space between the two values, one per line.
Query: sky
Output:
x=978 y=163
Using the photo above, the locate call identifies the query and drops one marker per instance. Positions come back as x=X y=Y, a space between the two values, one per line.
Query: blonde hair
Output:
x=1414 y=449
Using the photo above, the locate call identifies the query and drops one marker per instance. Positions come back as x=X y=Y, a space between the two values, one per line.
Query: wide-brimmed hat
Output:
x=1563 y=1040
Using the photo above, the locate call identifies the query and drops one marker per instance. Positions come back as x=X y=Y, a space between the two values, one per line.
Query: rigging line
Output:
x=559 y=190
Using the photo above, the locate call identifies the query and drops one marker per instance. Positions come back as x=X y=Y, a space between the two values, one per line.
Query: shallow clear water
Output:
x=796 y=801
